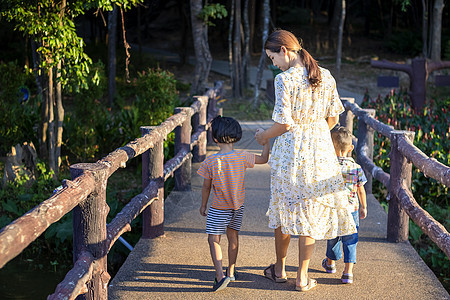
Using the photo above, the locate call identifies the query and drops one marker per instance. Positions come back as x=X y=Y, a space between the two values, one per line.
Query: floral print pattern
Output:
x=308 y=194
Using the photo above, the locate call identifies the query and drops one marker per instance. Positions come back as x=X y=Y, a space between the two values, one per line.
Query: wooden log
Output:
x=89 y=228
x=198 y=124
x=213 y=96
x=365 y=146
x=152 y=169
x=122 y=221
x=428 y=165
x=176 y=162
x=75 y=281
x=119 y=157
x=372 y=122
x=401 y=169
x=183 y=143
x=23 y=231
x=432 y=228
x=374 y=170
x=346 y=118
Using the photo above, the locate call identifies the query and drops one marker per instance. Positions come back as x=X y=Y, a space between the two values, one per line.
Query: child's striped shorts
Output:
x=218 y=220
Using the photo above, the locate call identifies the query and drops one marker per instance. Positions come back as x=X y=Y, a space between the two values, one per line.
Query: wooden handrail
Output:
x=402 y=204
x=427 y=165
x=23 y=231
x=88 y=187
x=74 y=283
x=432 y=228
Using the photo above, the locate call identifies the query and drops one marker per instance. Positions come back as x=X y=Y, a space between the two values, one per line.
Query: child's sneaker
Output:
x=328 y=269
x=232 y=278
x=221 y=284
x=347 y=278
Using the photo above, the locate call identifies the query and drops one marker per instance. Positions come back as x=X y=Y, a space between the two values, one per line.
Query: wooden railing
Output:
x=85 y=197
x=402 y=204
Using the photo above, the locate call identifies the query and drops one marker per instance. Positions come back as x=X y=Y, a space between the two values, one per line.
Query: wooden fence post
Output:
x=365 y=146
x=401 y=171
x=199 y=123
x=89 y=228
x=153 y=169
x=346 y=118
x=212 y=112
x=183 y=141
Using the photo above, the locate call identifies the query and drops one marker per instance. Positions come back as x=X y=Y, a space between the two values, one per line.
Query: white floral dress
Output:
x=308 y=194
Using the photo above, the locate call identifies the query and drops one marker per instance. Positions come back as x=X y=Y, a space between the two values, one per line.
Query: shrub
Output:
x=18 y=117
x=432 y=134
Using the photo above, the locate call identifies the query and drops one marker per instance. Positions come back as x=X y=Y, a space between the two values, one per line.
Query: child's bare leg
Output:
x=348 y=268
x=233 y=247
x=216 y=254
x=330 y=262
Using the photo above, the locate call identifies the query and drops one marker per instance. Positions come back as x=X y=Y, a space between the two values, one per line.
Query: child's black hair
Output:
x=226 y=130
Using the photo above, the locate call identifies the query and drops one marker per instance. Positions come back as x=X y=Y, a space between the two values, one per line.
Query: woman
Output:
x=308 y=196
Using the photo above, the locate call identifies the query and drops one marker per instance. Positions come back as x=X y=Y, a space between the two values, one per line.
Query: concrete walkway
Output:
x=178 y=265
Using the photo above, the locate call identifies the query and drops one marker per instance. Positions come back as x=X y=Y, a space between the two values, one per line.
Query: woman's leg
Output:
x=216 y=254
x=233 y=247
x=305 y=250
x=281 y=245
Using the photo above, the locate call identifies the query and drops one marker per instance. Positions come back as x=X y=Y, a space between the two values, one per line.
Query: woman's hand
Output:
x=259 y=137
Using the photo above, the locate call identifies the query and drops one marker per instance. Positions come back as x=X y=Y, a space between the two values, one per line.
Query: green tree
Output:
x=60 y=61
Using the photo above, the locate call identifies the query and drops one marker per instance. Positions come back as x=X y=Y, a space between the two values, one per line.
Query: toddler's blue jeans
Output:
x=348 y=244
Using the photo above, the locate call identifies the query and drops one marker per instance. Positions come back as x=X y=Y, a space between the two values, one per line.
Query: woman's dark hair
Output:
x=285 y=38
x=226 y=130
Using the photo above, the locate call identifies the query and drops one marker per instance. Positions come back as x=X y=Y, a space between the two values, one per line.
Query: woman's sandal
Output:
x=312 y=283
x=272 y=275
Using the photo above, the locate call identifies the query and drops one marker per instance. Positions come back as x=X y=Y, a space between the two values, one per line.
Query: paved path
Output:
x=178 y=265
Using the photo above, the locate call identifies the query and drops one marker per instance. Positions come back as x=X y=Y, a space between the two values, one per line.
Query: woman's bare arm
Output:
x=277 y=129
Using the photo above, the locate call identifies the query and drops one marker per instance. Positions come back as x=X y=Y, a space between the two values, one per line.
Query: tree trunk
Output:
x=59 y=108
x=60 y=119
x=51 y=123
x=436 y=30
x=43 y=125
x=112 y=41
x=334 y=23
x=252 y=25
x=237 y=53
x=246 y=58
x=425 y=28
x=341 y=33
x=262 y=59
x=185 y=31
x=230 y=43
x=201 y=47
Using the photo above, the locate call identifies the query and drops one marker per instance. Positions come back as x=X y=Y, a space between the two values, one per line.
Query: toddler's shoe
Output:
x=218 y=286
x=328 y=269
x=347 y=278
x=232 y=278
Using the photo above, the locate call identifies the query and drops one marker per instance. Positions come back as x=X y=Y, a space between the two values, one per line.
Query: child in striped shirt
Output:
x=224 y=172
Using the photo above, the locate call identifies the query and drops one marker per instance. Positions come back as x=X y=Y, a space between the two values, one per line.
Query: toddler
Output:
x=354 y=180
x=224 y=173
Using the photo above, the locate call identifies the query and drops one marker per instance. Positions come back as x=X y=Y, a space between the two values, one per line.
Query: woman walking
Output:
x=308 y=196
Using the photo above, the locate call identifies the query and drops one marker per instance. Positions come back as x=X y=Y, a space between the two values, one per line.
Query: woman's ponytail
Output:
x=312 y=68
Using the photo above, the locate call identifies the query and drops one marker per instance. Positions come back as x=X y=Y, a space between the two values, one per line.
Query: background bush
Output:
x=18 y=117
x=432 y=137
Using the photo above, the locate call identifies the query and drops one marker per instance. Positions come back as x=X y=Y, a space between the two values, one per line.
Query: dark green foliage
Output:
x=406 y=43
x=18 y=118
x=432 y=137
